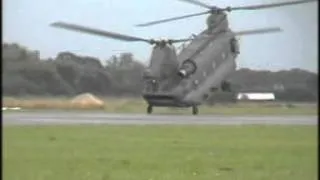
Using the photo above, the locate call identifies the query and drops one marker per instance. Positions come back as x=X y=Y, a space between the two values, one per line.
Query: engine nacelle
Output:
x=187 y=68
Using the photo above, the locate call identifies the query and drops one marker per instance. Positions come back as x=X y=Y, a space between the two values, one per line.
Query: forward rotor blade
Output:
x=181 y=40
x=172 y=19
x=197 y=3
x=98 y=32
x=258 y=31
x=263 y=6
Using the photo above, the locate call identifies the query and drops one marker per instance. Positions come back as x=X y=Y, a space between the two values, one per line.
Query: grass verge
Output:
x=160 y=152
x=128 y=105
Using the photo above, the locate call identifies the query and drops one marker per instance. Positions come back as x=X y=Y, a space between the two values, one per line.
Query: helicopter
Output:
x=186 y=79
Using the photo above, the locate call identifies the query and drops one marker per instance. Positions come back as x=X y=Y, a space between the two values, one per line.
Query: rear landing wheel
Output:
x=195 y=110
x=149 y=109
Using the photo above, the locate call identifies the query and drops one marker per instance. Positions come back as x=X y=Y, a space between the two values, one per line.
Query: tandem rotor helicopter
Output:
x=187 y=78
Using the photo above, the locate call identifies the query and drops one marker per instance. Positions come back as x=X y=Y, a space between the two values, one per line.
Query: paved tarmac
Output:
x=60 y=118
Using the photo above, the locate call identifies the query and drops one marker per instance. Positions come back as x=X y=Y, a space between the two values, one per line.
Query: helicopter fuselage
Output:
x=194 y=73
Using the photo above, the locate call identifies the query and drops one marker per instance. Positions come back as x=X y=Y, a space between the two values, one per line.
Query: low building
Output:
x=251 y=96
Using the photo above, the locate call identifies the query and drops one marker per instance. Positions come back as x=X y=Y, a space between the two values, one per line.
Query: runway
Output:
x=64 y=118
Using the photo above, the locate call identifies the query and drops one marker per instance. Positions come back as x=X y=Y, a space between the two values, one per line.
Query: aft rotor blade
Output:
x=258 y=31
x=172 y=19
x=263 y=6
x=197 y=3
x=98 y=32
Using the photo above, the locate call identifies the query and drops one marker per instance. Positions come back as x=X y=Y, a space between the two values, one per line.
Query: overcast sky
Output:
x=27 y=22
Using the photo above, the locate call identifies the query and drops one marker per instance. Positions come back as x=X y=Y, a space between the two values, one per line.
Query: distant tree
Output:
x=84 y=74
x=312 y=83
x=34 y=78
x=126 y=74
x=296 y=94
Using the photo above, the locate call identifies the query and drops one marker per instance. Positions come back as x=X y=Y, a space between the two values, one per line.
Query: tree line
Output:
x=68 y=74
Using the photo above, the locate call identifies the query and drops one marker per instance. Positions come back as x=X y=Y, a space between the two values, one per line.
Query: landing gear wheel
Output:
x=195 y=110
x=149 y=109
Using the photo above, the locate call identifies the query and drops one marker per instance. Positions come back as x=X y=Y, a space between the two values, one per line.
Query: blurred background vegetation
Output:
x=25 y=74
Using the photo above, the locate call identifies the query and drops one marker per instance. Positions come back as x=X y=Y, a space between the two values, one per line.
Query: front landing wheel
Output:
x=149 y=109
x=195 y=110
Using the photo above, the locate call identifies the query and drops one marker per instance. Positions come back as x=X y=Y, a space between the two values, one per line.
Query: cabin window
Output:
x=213 y=89
x=234 y=46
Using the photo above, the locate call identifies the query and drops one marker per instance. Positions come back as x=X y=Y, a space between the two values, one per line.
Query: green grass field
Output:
x=160 y=153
